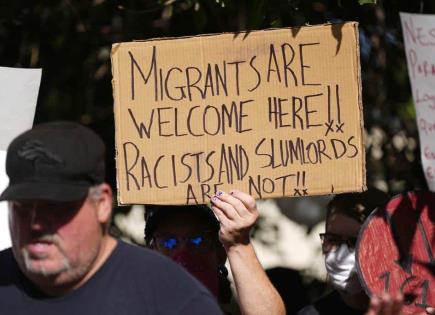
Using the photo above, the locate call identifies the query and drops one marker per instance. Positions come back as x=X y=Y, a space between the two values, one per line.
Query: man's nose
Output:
x=180 y=248
x=37 y=219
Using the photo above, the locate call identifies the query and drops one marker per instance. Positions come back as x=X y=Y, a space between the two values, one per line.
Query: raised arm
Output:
x=237 y=213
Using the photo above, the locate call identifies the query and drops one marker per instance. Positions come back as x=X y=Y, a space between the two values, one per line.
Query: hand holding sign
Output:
x=237 y=213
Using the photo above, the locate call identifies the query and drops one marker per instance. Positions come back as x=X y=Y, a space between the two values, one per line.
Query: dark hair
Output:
x=155 y=214
x=357 y=205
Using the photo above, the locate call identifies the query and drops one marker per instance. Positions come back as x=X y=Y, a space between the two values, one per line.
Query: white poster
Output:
x=419 y=37
x=18 y=95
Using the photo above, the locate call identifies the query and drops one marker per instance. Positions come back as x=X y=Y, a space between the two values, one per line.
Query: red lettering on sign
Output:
x=419 y=35
x=430 y=172
x=428 y=153
x=424 y=98
x=426 y=126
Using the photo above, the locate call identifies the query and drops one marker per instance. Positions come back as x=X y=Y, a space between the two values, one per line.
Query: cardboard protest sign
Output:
x=395 y=251
x=273 y=113
x=419 y=37
x=18 y=94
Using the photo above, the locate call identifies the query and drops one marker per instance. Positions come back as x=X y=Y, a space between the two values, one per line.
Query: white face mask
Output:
x=341 y=268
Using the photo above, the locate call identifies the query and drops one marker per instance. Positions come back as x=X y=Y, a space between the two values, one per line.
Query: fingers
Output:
x=374 y=307
x=397 y=304
x=245 y=198
x=430 y=310
x=390 y=305
x=221 y=216
x=227 y=208
x=243 y=203
x=386 y=305
x=235 y=218
x=236 y=203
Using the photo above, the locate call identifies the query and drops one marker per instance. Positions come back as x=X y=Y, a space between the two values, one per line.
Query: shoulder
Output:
x=200 y=304
x=154 y=267
x=163 y=282
x=308 y=310
x=7 y=261
x=6 y=254
x=12 y=282
x=143 y=259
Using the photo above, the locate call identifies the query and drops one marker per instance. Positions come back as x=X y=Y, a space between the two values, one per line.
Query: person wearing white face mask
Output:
x=341 y=268
x=345 y=215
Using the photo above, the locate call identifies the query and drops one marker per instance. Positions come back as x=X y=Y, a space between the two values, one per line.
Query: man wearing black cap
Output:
x=63 y=261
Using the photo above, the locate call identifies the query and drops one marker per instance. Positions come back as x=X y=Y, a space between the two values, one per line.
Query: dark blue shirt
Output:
x=132 y=281
x=330 y=304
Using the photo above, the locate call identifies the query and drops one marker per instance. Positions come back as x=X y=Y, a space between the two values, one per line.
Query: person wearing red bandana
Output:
x=201 y=239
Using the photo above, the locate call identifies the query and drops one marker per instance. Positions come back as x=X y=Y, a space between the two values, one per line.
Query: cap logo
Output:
x=35 y=152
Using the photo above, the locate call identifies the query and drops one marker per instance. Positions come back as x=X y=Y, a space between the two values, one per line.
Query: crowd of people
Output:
x=63 y=260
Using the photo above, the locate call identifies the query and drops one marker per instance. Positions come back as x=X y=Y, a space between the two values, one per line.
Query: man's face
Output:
x=340 y=228
x=191 y=241
x=186 y=232
x=57 y=240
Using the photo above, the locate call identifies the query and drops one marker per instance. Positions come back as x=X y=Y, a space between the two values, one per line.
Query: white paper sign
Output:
x=5 y=240
x=419 y=36
x=18 y=95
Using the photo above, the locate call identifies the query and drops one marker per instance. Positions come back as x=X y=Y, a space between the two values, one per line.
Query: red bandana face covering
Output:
x=201 y=267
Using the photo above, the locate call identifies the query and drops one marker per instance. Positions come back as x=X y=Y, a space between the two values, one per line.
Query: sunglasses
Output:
x=331 y=242
x=196 y=243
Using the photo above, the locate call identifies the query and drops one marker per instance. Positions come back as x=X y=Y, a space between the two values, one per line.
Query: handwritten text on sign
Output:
x=273 y=113
x=419 y=36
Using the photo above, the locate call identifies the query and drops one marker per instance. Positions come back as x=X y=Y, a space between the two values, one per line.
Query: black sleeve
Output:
x=200 y=304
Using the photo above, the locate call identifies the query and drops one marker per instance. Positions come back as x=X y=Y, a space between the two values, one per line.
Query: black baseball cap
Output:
x=55 y=161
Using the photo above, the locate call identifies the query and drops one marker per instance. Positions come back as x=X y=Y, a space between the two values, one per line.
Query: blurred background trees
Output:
x=71 y=41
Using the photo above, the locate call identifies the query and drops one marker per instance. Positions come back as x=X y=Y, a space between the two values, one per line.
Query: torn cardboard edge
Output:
x=115 y=46
x=361 y=111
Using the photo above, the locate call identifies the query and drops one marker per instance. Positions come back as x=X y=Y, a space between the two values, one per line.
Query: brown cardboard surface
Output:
x=273 y=113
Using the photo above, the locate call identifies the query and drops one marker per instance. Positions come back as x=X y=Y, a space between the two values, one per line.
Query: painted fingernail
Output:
x=231 y=192
x=214 y=198
x=220 y=193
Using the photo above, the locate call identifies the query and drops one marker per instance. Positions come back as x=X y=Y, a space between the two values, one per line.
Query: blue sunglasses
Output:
x=197 y=242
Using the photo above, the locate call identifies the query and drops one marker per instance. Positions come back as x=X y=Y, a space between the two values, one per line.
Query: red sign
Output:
x=396 y=248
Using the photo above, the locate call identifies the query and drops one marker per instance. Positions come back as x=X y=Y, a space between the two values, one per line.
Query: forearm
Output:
x=255 y=292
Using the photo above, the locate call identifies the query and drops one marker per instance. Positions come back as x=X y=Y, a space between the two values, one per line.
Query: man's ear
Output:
x=104 y=204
